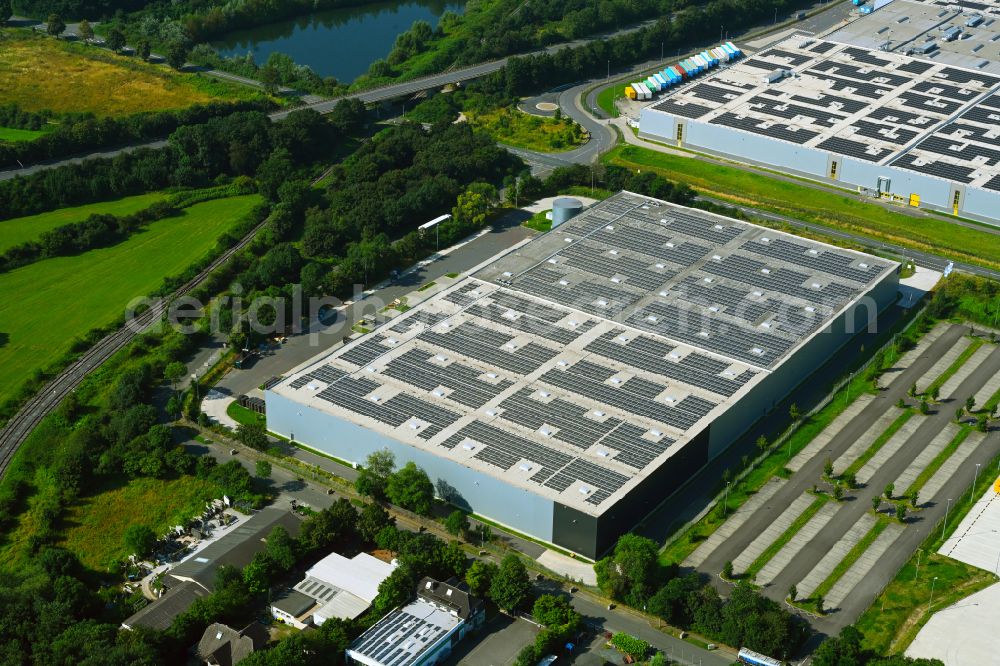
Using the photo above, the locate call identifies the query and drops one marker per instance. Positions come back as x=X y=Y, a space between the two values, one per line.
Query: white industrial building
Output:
x=335 y=587
x=569 y=387
x=421 y=633
x=902 y=103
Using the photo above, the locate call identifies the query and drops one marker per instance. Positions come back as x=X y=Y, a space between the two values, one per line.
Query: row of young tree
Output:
x=81 y=133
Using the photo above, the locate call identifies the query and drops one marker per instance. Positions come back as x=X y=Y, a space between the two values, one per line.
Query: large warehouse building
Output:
x=903 y=103
x=570 y=386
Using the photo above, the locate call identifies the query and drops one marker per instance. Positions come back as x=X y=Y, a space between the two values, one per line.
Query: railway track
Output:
x=48 y=398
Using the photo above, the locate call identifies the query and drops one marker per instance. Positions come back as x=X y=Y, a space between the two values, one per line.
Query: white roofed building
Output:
x=335 y=587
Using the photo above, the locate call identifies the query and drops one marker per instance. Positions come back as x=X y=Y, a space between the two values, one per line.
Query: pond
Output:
x=341 y=42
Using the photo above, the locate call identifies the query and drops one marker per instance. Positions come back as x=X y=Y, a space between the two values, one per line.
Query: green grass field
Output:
x=523 y=130
x=820 y=206
x=22 y=229
x=95 y=525
x=48 y=303
x=11 y=134
x=96 y=80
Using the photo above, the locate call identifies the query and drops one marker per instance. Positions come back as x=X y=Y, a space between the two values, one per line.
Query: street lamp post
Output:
x=919 y=553
x=945 y=524
x=725 y=502
x=975 y=480
x=194 y=380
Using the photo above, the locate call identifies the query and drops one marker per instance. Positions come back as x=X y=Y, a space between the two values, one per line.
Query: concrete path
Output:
x=978 y=358
x=890 y=448
x=920 y=463
x=567 y=566
x=988 y=390
x=956 y=635
x=954 y=462
x=821 y=440
x=829 y=562
x=784 y=556
x=858 y=571
x=943 y=363
x=772 y=532
x=866 y=439
x=215 y=405
x=728 y=528
x=976 y=541
x=910 y=357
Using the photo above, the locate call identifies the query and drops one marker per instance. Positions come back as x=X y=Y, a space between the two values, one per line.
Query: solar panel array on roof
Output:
x=513 y=376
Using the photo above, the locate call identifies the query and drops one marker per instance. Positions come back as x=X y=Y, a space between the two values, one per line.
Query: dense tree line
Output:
x=12 y=115
x=634 y=575
x=81 y=133
x=242 y=143
x=694 y=24
x=278 y=69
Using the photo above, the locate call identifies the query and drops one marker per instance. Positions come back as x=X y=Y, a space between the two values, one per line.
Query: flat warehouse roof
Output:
x=586 y=358
x=879 y=106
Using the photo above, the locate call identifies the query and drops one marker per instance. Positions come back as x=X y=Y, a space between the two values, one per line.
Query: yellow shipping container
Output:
x=630 y=92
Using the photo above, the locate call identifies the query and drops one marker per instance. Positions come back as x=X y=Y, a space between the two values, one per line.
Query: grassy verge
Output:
x=935 y=464
x=954 y=367
x=772 y=465
x=19 y=230
x=817 y=205
x=426 y=286
x=879 y=442
x=50 y=303
x=606 y=98
x=513 y=127
x=897 y=614
x=538 y=222
x=786 y=536
x=244 y=416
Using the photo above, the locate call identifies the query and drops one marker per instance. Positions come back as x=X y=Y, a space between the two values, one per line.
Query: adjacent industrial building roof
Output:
x=578 y=363
x=236 y=548
x=963 y=33
x=160 y=614
x=404 y=635
x=344 y=588
x=225 y=646
x=879 y=106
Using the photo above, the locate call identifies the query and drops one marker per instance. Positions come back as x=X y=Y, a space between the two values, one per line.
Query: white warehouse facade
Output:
x=566 y=389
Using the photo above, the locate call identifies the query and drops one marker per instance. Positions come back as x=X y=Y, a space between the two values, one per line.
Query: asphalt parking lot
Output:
x=496 y=645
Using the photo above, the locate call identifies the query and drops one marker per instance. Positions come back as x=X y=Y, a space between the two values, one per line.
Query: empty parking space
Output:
x=910 y=357
x=821 y=440
x=829 y=562
x=862 y=443
x=978 y=358
x=784 y=556
x=920 y=463
x=889 y=449
x=988 y=390
x=728 y=528
x=954 y=462
x=863 y=565
x=773 y=531
x=498 y=644
x=943 y=363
